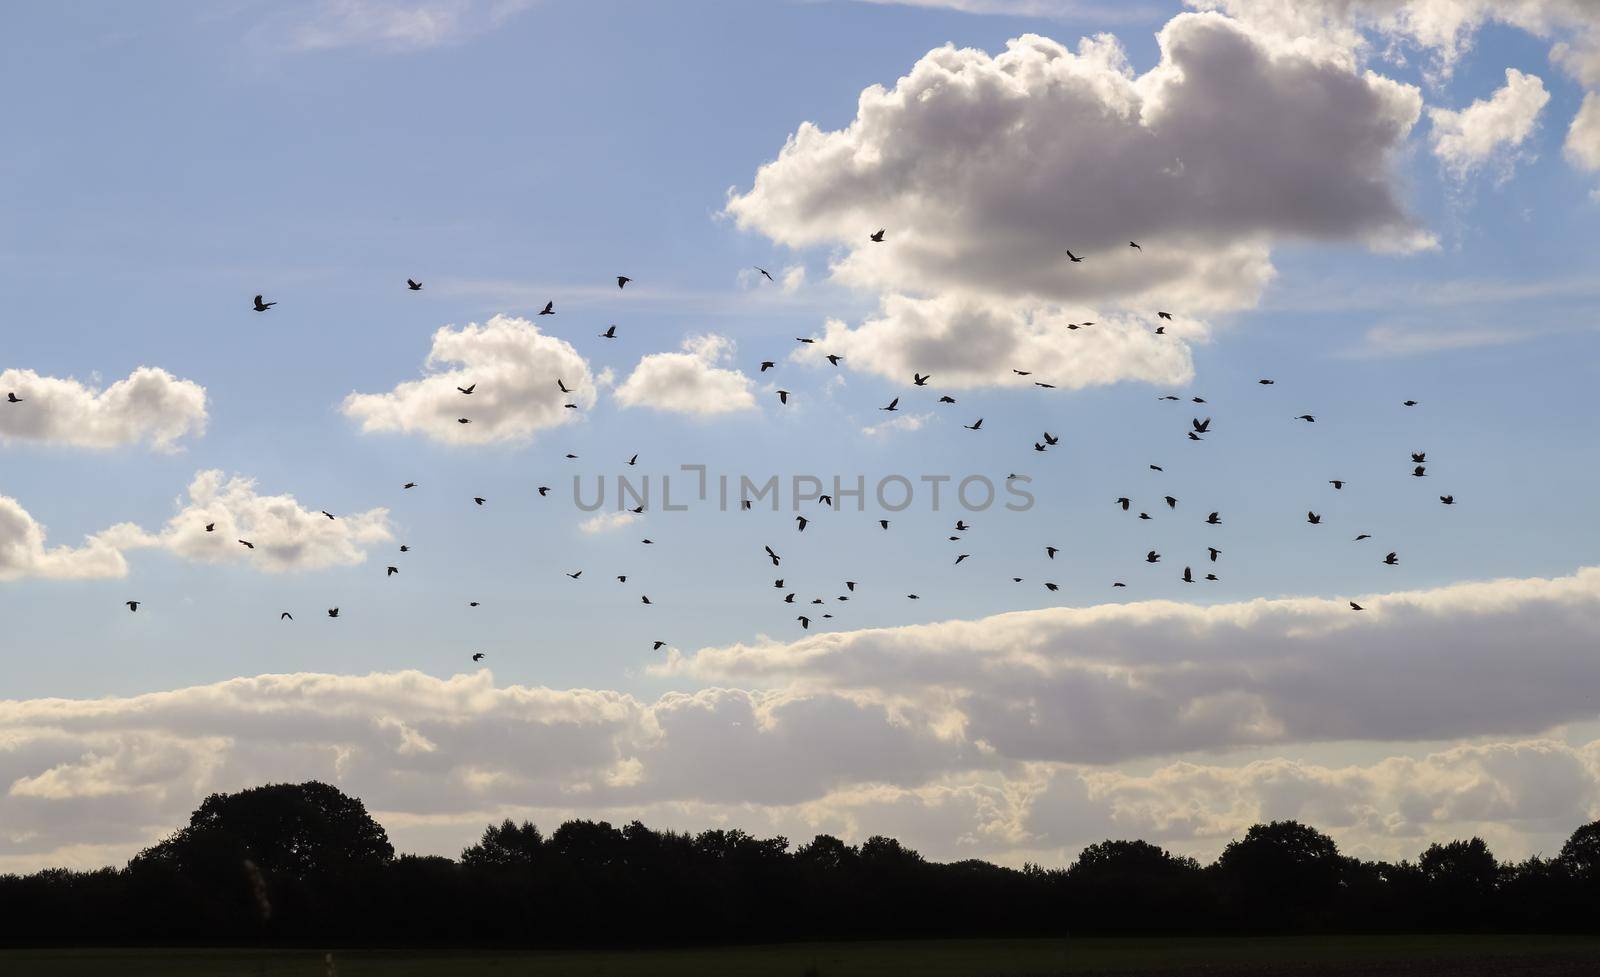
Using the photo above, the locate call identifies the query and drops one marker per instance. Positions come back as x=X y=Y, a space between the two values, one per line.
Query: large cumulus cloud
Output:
x=986 y=170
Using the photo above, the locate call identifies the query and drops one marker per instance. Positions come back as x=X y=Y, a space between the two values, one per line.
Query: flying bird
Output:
x=479 y=499
x=1201 y=427
x=801 y=522
x=610 y=333
x=623 y=280
x=1164 y=315
x=805 y=622
x=1356 y=607
x=414 y=285
x=1337 y=483
x=463 y=420
x=1408 y=403
x=133 y=605
x=468 y=389
x=391 y=571
x=961 y=557
x=1124 y=501
x=1392 y=560
x=1135 y=246
x=947 y=400
x=247 y=544
x=1051 y=551
x=1214 y=552
x=834 y=358
x=211 y=527
x=563 y=386
x=877 y=236
x=333 y=612
x=893 y=405
x=549 y=309
x=286 y=616
x=783 y=396
x=409 y=485
x=477 y=656
x=1188 y=575
x=12 y=398
x=975 y=425
x=1448 y=499
x=1307 y=418
x=656 y=645
x=1152 y=557
x=765 y=273
x=766 y=365
x=1420 y=471
x=1313 y=519
x=920 y=379
x=263 y=306
x=1418 y=457
x=1213 y=520
x=1266 y=383
x=1073 y=258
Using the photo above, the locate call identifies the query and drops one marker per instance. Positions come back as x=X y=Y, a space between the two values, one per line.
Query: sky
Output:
x=1366 y=202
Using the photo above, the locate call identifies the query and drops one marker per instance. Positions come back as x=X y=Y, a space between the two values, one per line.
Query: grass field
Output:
x=1458 y=956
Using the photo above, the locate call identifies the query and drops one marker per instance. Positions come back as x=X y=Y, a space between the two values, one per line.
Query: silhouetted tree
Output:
x=1281 y=875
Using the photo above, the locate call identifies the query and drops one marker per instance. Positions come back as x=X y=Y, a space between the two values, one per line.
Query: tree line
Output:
x=305 y=863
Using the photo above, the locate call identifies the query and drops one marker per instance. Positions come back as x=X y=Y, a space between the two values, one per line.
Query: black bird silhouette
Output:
x=783 y=396
x=1022 y=373
x=1213 y=520
x=1161 y=330
x=805 y=622
x=1134 y=246
x=404 y=548
x=947 y=400
x=477 y=656
x=1408 y=403
x=1051 y=551
x=1201 y=427
x=800 y=522
x=463 y=420
x=1356 y=607
x=1050 y=586
x=775 y=557
x=263 y=306
x=610 y=333
x=1362 y=537
x=328 y=514
x=975 y=425
x=1157 y=468
x=1307 y=418
x=563 y=387
x=912 y=597
x=850 y=585
x=1337 y=483
x=1072 y=257
x=286 y=616
x=549 y=309
x=413 y=284
x=133 y=605
x=1448 y=499
x=1172 y=503
x=893 y=405
x=878 y=235
x=766 y=365
x=765 y=273
x=12 y=398
x=644 y=599
x=1214 y=553
x=1119 y=584
x=409 y=485
x=1169 y=397
x=1051 y=438
x=333 y=612
x=1195 y=437
x=656 y=645
x=623 y=280
x=962 y=557
x=247 y=544
x=883 y=524
x=479 y=499
x=1392 y=559
x=575 y=575
x=834 y=358
x=1418 y=457
x=1313 y=519
x=806 y=341
x=468 y=389
x=1164 y=315
x=1152 y=557
x=1124 y=502
x=544 y=490
x=1419 y=472
x=1188 y=575
x=472 y=603
x=920 y=379
x=1146 y=515
x=211 y=527
x=634 y=460
x=1047 y=386
x=1037 y=446
x=1211 y=576
x=1266 y=383
x=391 y=571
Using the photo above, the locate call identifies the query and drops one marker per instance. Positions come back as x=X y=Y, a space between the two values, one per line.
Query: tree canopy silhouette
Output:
x=305 y=863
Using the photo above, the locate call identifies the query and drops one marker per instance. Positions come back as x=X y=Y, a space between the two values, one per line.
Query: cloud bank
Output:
x=150 y=407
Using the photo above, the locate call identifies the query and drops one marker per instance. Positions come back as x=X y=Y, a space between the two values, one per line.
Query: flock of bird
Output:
x=1198 y=429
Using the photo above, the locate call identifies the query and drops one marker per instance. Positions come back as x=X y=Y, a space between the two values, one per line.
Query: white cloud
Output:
x=1407 y=341
x=436 y=758
x=1488 y=130
x=969 y=342
x=899 y=422
x=398 y=26
x=1583 y=138
x=513 y=369
x=1233 y=142
x=1118 y=682
x=605 y=522
x=794 y=277
x=23 y=552
x=150 y=406
x=689 y=382
x=286 y=536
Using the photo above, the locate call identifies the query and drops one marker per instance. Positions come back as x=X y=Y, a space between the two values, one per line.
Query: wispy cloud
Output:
x=399 y=26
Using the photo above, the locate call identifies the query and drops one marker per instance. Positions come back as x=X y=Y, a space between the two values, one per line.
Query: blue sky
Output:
x=172 y=161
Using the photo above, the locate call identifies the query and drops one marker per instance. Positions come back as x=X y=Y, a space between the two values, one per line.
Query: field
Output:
x=1457 y=956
